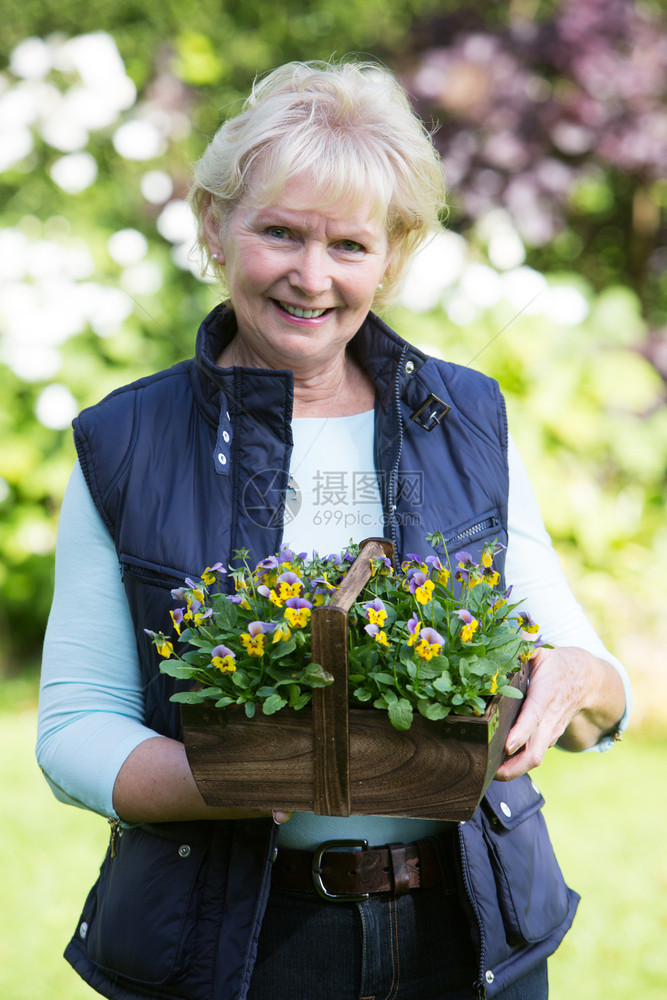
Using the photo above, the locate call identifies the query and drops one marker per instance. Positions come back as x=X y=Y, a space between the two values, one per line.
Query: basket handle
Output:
x=359 y=572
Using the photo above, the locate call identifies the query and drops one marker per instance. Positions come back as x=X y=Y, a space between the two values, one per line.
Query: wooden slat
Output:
x=331 y=723
x=260 y=763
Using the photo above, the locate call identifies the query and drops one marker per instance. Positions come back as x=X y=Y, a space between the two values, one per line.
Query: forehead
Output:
x=304 y=194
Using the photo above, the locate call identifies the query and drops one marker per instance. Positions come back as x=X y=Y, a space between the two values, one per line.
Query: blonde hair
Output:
x=350 y=126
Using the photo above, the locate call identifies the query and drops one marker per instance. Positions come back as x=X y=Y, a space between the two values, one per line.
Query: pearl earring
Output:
x=215 y=256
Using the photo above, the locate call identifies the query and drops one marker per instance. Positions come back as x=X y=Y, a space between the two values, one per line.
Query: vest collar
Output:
x=268 y=392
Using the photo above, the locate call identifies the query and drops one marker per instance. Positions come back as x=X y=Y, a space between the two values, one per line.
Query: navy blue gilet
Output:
x=190 y=465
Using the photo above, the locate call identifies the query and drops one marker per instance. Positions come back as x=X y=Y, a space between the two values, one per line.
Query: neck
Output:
x=317 y=395
x=335 y=387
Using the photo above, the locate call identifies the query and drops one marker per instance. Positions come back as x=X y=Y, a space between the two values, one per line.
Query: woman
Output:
x=309 y=204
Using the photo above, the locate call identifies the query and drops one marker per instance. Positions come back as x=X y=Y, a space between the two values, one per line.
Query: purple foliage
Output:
x=562 y=121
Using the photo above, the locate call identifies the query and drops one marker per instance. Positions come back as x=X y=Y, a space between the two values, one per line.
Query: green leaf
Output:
x=188 y=697
x=480 y=666
x=196 y=640
x=400 y=714
x=510 y=692
x=433 y=710
x=383 y=678
x=443 y=683
x=363 y=694
x=438 y=613
x=317 y=676
x=225 y=613
x=210 y=692
x=283 y=648
x=433 y=668
x=406 y=656
x=197 y=657
x=505 y=644
x=175 y=668
x=298 y=703
x=250 y=709
x=273 y=704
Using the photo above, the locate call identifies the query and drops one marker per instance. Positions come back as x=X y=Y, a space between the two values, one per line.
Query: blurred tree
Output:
x=559 y=115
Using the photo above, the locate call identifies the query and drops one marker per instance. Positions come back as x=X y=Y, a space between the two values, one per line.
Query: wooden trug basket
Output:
x=334 y=760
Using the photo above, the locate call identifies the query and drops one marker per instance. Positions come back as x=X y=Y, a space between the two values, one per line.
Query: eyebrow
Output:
x=292 y=217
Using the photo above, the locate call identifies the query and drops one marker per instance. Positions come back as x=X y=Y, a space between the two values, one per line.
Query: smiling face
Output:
x=301 y=274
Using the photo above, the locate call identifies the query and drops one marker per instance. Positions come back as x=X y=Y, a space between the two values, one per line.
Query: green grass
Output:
x=607 y=815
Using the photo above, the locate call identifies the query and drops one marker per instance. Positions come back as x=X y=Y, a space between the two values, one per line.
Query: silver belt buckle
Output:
x=320 y=888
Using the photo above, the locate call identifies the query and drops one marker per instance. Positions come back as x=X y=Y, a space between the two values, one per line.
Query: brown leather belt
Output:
x=352 y=875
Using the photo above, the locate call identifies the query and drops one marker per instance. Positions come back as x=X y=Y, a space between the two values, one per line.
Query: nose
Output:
x=310 y=273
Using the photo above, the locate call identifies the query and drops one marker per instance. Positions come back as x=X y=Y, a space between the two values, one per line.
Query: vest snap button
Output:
x=184 y=851
x=409 y=367
x=83 y=930
x=506 y=809
x=222 y=458
x=489 y=976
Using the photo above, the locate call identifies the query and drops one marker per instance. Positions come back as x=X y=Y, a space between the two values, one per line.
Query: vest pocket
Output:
x=142 y=924
x=146 y=572
x=532 y=893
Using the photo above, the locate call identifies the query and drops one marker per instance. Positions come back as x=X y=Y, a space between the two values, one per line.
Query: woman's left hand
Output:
x=573 y=699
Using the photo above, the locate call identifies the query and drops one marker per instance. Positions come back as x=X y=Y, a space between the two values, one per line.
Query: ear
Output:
x=212 y=230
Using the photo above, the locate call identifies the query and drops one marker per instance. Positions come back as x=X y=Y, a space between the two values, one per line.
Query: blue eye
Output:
x=278 y=232
x=351 y=246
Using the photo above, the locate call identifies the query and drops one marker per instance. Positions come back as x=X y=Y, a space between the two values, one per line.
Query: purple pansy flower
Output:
x=417 y=579
x=431 y=636
x=413 y=623
x=297 y=603
x=222 y=651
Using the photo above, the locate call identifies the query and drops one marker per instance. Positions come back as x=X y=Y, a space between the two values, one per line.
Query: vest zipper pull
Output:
x=114 y=824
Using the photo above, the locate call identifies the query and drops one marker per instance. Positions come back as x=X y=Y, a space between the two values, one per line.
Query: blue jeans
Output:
x=412 y=947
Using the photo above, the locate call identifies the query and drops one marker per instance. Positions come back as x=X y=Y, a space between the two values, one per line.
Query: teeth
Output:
x=302 y=313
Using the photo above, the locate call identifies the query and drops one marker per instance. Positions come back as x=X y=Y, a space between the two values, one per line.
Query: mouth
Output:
x=300 y=313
